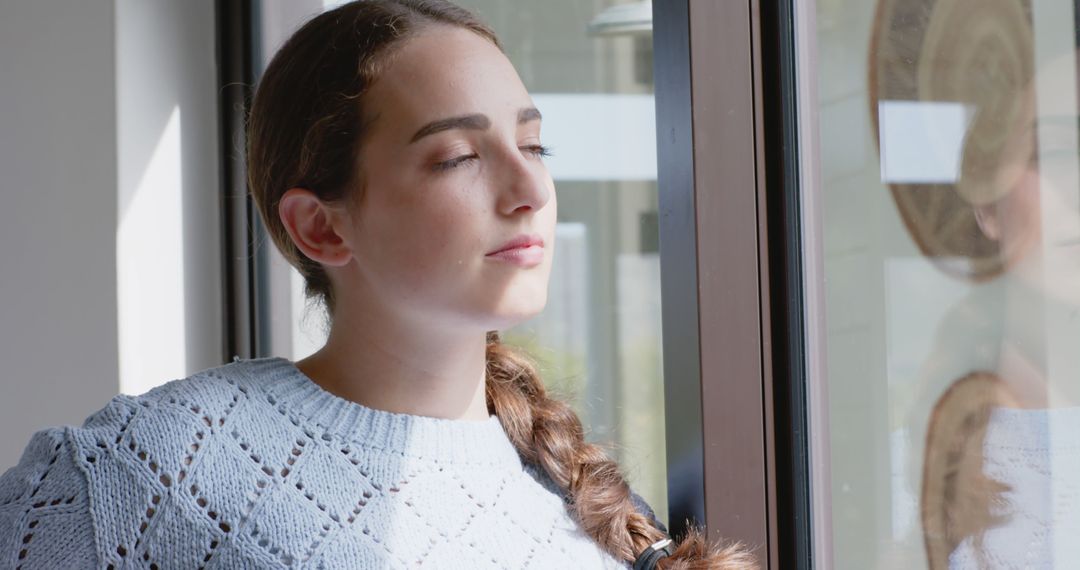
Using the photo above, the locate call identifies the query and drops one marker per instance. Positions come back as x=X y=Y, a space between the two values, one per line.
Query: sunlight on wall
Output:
x=150 y=271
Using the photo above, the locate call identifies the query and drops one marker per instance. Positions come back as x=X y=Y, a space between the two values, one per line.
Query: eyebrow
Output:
x=529 y=114
x=473 y=122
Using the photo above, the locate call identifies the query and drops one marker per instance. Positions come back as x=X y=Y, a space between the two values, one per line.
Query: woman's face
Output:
x=451 y=173
x=1038 y=221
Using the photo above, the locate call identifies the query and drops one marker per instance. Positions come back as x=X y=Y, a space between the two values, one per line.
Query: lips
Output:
x=523 y=241
x=523 y=251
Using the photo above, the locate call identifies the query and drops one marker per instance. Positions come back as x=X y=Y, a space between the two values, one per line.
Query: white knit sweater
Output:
x=1037 y=454
x=253 y=465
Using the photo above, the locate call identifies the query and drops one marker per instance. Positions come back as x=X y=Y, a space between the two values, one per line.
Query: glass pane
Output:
x=950 y=263
x=588 y=67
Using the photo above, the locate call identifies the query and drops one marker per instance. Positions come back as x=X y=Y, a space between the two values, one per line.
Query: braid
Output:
x=548 y=433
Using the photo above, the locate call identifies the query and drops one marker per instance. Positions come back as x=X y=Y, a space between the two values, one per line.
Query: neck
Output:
x=408 y=368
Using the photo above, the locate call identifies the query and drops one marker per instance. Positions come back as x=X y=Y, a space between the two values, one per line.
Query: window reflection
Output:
x=952 y=259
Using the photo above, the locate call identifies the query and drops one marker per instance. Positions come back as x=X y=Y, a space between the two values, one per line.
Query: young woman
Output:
x=396 y=160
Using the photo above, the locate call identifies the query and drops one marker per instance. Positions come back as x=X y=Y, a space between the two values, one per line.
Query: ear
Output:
x=312 y=224
x=987 y=218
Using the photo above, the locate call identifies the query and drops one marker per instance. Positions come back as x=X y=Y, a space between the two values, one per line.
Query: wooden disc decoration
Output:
x=976 y=52
x=956 y=494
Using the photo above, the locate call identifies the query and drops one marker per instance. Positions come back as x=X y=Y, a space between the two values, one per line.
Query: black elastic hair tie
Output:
x=650 y=556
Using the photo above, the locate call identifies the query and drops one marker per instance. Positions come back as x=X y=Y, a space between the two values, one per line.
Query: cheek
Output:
x=416 y=237
x=1021 y=216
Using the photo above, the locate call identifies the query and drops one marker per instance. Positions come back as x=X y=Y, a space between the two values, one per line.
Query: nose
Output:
x=524 y=185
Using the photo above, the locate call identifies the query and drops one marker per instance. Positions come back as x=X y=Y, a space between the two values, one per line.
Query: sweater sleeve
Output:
x=644 y=508
x=45 y=517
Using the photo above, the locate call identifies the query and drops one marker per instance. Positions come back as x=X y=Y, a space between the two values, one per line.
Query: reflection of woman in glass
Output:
x=1000 y=481
x=395 y=157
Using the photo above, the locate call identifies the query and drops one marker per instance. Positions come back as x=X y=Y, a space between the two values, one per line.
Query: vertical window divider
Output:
x=783 y=194
x=235 y=86
x=718 y=362
x=678 y=262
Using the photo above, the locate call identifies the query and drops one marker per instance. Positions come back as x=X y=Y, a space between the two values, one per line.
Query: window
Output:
x=946 y=414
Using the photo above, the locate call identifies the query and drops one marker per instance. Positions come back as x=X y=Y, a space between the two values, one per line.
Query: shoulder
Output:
x=45 y=519
x=164 y=426
x=204 y=395
x=210 y=388
x=197 y=398
x=44 y=462
x=164 y=464
x=147 y=436
x=132 y=427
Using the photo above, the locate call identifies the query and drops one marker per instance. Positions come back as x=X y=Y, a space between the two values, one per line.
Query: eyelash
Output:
x=536 y=149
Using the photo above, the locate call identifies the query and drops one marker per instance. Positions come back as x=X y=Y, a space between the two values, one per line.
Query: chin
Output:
x=508 y=317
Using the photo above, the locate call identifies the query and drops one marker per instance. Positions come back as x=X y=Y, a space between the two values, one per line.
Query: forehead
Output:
x=442 y=72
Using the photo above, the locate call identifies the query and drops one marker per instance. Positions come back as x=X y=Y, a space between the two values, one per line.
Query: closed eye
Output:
x=537 y=150
x=455 y=162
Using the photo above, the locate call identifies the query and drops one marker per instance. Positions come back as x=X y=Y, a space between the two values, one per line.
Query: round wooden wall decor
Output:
x=975 y=52
x=957 y=497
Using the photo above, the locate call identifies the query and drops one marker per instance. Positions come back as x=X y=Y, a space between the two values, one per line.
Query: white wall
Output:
x=86 y=94
x=58 y=344
x=168 y=243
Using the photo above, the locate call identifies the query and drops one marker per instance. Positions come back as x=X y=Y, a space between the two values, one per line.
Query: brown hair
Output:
x=304 y=130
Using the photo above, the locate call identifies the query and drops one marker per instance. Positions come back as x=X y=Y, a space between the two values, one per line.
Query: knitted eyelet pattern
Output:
x=252 y=465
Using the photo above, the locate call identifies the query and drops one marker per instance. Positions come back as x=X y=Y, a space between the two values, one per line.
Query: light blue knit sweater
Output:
x=253 y=465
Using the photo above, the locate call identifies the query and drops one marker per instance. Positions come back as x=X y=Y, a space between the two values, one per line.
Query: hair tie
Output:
x=650 y=556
